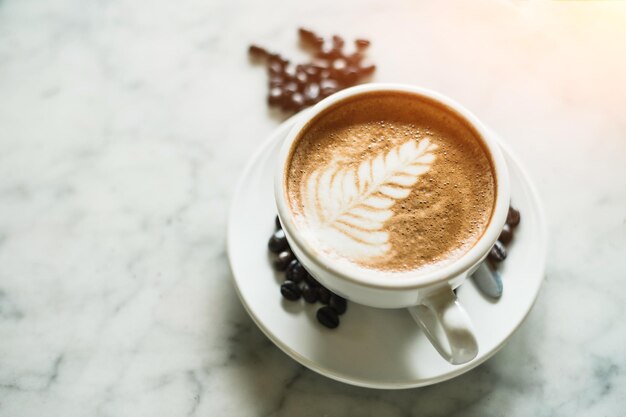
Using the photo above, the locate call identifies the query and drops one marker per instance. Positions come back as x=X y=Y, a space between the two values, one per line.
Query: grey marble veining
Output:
x=124 y=125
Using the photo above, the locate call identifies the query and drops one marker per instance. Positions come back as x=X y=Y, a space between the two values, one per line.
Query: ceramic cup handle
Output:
x=447 y=326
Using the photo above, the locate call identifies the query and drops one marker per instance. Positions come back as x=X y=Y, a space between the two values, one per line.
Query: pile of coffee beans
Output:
x=293 y=87
x=498 y=252
x=299 y=284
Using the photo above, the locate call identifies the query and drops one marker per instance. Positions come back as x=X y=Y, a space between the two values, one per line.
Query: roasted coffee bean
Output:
x=290 y=291
x=309 y=293
x=289 y=72
x=313 y=73
x=514 y=217
x=339 y=65
x=257 y=52
x=282 y=260
x=291 y=88
x=329 y=83
x=323 y=294
x=328 y=87
x=361 y=44
x=321 y=64
x=506 y=235
x=278 y=242
x=290 y=272
x=351 y=75
x=275 y=68
x=338 y=42
x=338 y=304
x=296 y=272
x=277 y=223
x=497 y=252
x=297 y=101
x=311 y=93
x=327 y=317
x=275 y=96
x=301 y=79
x=307 y=36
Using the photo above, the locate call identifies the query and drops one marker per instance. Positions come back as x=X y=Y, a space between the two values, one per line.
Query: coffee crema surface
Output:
x=390 y=181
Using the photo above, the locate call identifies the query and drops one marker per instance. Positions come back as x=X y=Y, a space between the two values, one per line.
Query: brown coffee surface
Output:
x=444 y=211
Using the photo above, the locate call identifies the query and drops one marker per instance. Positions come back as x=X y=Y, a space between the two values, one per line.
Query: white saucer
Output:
x=372 y=347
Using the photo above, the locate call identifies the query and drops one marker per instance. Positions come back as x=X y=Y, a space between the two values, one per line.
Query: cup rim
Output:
x=393 y=279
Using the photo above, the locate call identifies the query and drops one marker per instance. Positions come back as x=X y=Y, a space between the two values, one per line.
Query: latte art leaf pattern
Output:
x=347 y=207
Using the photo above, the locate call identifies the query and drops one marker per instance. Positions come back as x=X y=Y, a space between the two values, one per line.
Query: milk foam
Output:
x=346 y=207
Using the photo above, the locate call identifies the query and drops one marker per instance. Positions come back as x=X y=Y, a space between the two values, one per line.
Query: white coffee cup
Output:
x=429 y=295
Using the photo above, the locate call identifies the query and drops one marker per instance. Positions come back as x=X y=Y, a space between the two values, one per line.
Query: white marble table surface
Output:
x=124 y=125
